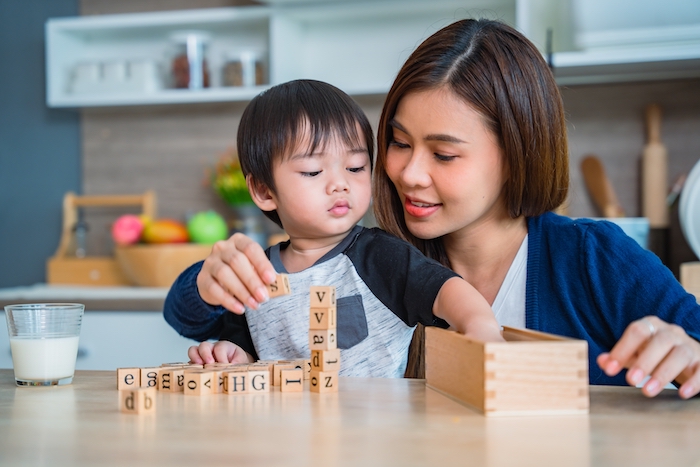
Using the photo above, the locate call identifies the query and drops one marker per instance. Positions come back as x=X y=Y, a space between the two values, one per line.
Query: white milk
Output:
x=44 y=359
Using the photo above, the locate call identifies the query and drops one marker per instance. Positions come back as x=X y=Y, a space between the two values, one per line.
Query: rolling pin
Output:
x=654 y=172
x=599 y=187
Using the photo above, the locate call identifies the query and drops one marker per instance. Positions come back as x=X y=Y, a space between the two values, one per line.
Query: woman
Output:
x=472 y=158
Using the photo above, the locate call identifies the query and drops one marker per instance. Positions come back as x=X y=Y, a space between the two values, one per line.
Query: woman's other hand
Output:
x=652 y=347
x=235 y=274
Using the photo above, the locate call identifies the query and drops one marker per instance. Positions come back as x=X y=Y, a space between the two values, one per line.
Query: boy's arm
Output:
x=466 y=310
x=187 y=313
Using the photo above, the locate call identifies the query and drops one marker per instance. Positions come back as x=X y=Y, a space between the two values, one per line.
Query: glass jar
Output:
x=188 y=63
x=243 y=69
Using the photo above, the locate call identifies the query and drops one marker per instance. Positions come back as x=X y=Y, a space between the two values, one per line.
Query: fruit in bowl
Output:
x=127 y=229
x=165 y=231
x=207 y=227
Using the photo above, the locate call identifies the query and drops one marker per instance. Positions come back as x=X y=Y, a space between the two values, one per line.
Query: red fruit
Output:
x=127 y=229
x=165 y=231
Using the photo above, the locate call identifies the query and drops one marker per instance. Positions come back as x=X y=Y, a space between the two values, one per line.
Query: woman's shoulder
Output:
x=554 y=225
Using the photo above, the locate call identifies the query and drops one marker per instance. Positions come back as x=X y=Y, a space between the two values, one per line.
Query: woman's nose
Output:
x=415 y=172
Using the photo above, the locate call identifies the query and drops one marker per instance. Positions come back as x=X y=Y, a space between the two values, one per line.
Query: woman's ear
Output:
x=261 y=194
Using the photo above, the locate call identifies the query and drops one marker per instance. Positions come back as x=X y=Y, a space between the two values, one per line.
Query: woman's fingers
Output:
x=651 y=347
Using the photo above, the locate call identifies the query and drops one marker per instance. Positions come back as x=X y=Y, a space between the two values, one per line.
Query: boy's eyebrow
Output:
x=432 y=137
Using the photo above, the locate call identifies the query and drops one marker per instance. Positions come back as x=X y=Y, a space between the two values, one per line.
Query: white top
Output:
x=509 y=305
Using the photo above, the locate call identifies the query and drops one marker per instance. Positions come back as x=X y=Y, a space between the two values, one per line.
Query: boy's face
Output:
x=322 y=195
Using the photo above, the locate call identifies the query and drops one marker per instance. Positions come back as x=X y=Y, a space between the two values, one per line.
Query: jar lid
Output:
x=181 y=37
x=689 y=209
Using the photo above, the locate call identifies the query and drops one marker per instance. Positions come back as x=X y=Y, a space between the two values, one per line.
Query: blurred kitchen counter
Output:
x=94 y=298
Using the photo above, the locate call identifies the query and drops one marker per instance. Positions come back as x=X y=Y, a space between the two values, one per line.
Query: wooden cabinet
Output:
x=357 y=45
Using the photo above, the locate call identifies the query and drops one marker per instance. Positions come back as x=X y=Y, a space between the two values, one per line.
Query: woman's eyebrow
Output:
x=435 y=137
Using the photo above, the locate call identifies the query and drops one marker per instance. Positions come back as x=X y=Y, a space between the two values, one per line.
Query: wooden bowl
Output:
x=158 y=265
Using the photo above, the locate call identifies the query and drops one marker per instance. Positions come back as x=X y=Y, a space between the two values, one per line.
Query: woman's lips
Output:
x=419 y=209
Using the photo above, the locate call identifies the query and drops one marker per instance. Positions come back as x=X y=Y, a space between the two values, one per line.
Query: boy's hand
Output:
x=222 y=352
x=235 y=274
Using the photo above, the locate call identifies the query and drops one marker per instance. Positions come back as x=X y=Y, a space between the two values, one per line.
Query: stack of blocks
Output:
x=137 y=386
x=323 y=342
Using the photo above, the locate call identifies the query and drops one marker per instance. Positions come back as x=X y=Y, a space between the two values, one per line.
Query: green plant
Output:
x=228 y=181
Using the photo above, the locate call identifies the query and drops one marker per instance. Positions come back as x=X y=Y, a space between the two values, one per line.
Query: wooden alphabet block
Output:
x=149 y=377
x=322 y=296
x=137 y=400
x=259 y=379
x=292 y=380
x=323 y=381
x=532 y=373
x=322 y=339
x=277 y=369
x=217 y=380
x=236 y=381
x=325 y=360
x=322 y=318
x=171 y=379
x=169 y=365
x=128 y=378
x=198 y=382
x=280 y=286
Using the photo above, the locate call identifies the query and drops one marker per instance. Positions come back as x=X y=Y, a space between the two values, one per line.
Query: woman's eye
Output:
x=356 y=169
x=398 y=144
x=310 y=174
x=443 y=158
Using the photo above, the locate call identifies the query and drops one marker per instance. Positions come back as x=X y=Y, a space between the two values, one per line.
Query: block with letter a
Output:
x=322 y=339
x=138 y=400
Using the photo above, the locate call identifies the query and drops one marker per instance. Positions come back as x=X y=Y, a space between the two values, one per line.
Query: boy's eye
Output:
x=356 y=169
x=310 y=174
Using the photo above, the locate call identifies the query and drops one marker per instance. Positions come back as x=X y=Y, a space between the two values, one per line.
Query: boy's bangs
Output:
x=312 y=135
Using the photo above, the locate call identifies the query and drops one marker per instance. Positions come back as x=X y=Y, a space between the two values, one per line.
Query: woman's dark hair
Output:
x=277 y=120
x=500 y=74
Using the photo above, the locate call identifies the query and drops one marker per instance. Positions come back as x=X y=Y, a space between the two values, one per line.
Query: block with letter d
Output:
x=325 y=360
x=138 y=400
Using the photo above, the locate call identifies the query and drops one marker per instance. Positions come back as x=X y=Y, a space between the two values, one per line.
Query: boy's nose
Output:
x=338 y=182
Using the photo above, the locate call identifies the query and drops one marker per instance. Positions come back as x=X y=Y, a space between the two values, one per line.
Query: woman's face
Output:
x=447 y=167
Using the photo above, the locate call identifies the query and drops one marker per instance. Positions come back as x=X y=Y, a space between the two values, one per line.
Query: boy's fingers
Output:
x=221 y=351
x=256 y=255
x=193 y=354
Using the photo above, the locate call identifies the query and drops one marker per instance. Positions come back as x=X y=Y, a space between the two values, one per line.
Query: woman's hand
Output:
x=652 y=347
x=235 y=274
x=222 y=352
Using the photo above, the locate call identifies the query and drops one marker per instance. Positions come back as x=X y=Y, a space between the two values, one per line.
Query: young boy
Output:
x=307 y=149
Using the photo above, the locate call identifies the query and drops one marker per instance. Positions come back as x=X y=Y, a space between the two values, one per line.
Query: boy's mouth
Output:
x=340 y=208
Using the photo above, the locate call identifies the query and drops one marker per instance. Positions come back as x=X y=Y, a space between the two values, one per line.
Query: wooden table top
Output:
x=368 y=422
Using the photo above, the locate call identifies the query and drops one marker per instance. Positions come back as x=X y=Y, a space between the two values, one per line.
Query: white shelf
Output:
x=357 y=45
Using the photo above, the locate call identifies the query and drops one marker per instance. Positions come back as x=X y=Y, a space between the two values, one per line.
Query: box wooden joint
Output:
x=532 y=373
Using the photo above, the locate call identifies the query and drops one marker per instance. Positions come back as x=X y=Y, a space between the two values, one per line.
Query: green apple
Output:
x=207 y=227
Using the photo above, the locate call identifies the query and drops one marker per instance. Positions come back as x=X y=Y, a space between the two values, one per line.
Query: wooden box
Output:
x=63 y=268
x=532 y=373
x=690 y=278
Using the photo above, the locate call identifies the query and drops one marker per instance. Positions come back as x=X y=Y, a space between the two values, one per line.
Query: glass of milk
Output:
x=44 y=342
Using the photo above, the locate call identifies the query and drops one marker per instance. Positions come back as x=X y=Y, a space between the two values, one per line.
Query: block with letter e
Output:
x=137 y=400
x=128 y=378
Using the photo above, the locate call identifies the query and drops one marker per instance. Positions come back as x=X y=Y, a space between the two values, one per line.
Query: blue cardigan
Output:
x=588 y=280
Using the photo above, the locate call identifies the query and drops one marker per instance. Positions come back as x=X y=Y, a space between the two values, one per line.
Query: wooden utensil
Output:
x=600 y=188
x=654 y=172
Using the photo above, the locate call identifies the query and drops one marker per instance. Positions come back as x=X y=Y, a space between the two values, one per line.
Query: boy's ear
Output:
x=261 y=194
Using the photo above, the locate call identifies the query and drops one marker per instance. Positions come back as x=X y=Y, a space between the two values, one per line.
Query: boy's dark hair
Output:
x=276 y=121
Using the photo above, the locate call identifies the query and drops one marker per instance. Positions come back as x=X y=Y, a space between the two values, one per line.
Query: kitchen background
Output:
x=45 y=152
